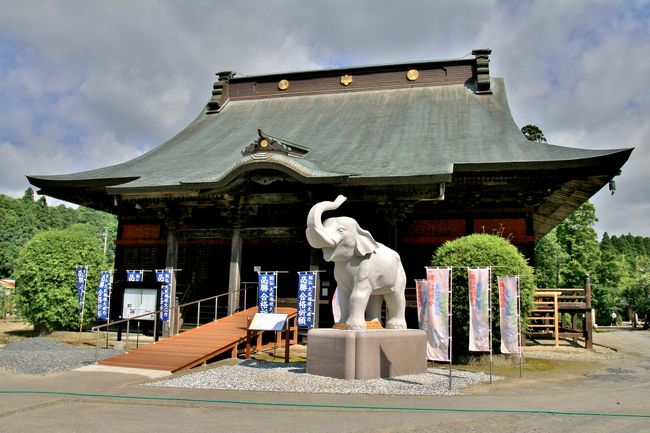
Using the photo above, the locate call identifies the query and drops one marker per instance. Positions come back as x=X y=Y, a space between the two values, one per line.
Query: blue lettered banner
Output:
x=306 y=298
x=81 y=273
x=164 y=277
x=266 y=292
x=103 y=290
x=134 y=276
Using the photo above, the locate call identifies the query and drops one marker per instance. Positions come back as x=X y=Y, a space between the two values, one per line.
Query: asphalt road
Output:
x=612 y=396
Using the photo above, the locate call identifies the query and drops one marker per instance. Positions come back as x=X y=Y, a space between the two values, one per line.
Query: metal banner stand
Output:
x=519 y=323
x=451 y=331
x=489 y=290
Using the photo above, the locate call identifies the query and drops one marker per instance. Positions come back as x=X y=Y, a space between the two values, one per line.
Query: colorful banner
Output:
x=266 y=292
x=134 y=276
x=81 y=272
x=509 y=314
x=306 y=298
x=7 y=284
x=165 y=277
x=336 y=308
x=435 y=295
x=103 y=293
x=479 y=317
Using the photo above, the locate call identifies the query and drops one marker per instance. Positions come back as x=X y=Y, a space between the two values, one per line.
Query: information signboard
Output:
x=139 y=301
x=268 y=322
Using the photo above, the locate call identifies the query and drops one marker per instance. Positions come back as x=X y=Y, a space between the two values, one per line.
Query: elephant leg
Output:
x=343 y=298
x=395 y=310
x=373 y=311
x=357 y=306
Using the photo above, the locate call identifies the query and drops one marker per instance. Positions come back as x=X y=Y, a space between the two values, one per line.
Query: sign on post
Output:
x=165 y=277
x=266 y=292
x=103 y=293
x=306 y=298
x=82 y=272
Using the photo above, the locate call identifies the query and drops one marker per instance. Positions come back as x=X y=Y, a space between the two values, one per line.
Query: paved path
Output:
x=94 y=401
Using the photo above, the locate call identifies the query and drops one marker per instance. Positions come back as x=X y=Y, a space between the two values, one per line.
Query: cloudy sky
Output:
x=84 y=84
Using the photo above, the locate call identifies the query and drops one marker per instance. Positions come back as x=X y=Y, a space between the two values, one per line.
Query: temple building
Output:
x=425 y=152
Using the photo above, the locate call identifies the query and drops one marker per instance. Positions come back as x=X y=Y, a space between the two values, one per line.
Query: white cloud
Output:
x=85 y=84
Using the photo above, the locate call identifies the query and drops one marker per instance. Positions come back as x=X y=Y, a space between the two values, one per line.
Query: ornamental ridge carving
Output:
x=265 y=143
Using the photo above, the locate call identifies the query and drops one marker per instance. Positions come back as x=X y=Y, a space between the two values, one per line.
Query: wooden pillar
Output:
x=234 y=281
x=588 y=325
x=171 y=262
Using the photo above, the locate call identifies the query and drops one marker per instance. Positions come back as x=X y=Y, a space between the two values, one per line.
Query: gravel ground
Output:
x=42 y=355
x=255 y=375
x=38 y=356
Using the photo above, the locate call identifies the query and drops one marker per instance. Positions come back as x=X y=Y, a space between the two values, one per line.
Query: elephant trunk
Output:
x=316 y=235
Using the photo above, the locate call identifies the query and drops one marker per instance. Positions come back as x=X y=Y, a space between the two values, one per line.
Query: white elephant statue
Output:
x=367 y=272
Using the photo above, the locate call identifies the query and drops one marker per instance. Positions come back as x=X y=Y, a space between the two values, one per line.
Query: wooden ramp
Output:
x=194 y=347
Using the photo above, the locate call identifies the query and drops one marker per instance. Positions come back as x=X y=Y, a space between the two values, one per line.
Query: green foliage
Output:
x=479 y=250
x=21 y=219
x=550 y=257
x=637 y=291
x=579 y=240
x=533 y=133
x=46 y=293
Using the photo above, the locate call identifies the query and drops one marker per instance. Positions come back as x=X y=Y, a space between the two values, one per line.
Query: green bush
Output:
x=482 y=250
x=46 y=290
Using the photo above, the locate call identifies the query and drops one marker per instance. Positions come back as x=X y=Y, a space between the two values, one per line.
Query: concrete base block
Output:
x=367 y=354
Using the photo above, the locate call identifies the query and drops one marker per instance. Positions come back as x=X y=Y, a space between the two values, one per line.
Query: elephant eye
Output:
x=340 y=229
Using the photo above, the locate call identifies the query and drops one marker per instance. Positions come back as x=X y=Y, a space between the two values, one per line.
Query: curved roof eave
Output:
x=589 y=159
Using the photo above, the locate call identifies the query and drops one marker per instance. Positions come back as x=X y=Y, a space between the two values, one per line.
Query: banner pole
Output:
x=490 y=317
x=83 y=300
x=449 y=319
x=519 y=323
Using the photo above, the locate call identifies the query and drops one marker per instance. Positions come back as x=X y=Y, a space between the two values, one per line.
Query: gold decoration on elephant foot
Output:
x=346 y=79
x=370 y=324
x=373 y=324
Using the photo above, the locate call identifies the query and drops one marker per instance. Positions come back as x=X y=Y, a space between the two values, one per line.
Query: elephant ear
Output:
x=365 y=244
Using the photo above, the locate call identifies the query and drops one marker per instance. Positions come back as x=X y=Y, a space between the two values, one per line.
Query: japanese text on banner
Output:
x=266 y=292
x=164 y=277
x=437 y=313
x=479 y=318
x=134 y=276
x=306 y=298
x=81 y=273
x=509 y=314
x=103 y=291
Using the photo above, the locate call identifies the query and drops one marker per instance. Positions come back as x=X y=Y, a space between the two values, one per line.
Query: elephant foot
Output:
x=396 y=324
x=356 y=326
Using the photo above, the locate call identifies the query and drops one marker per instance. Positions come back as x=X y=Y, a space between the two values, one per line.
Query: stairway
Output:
x=544 y=317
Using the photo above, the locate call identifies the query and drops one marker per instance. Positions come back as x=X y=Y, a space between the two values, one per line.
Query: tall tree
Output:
x=533 y=133
x=550 y=258
x=578 y=237
x=46 y=292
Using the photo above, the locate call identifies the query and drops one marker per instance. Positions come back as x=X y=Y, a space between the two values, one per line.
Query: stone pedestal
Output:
x=367 y=354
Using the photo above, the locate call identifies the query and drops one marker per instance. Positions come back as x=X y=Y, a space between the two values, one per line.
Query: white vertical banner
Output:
x=336 y=308
x=434 y=309
x=479 y=309
x=509 y=314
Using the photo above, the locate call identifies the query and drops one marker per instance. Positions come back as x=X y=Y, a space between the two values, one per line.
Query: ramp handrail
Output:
x=173 y=310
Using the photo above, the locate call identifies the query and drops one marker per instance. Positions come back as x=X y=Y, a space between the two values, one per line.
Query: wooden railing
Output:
x=552 y=306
